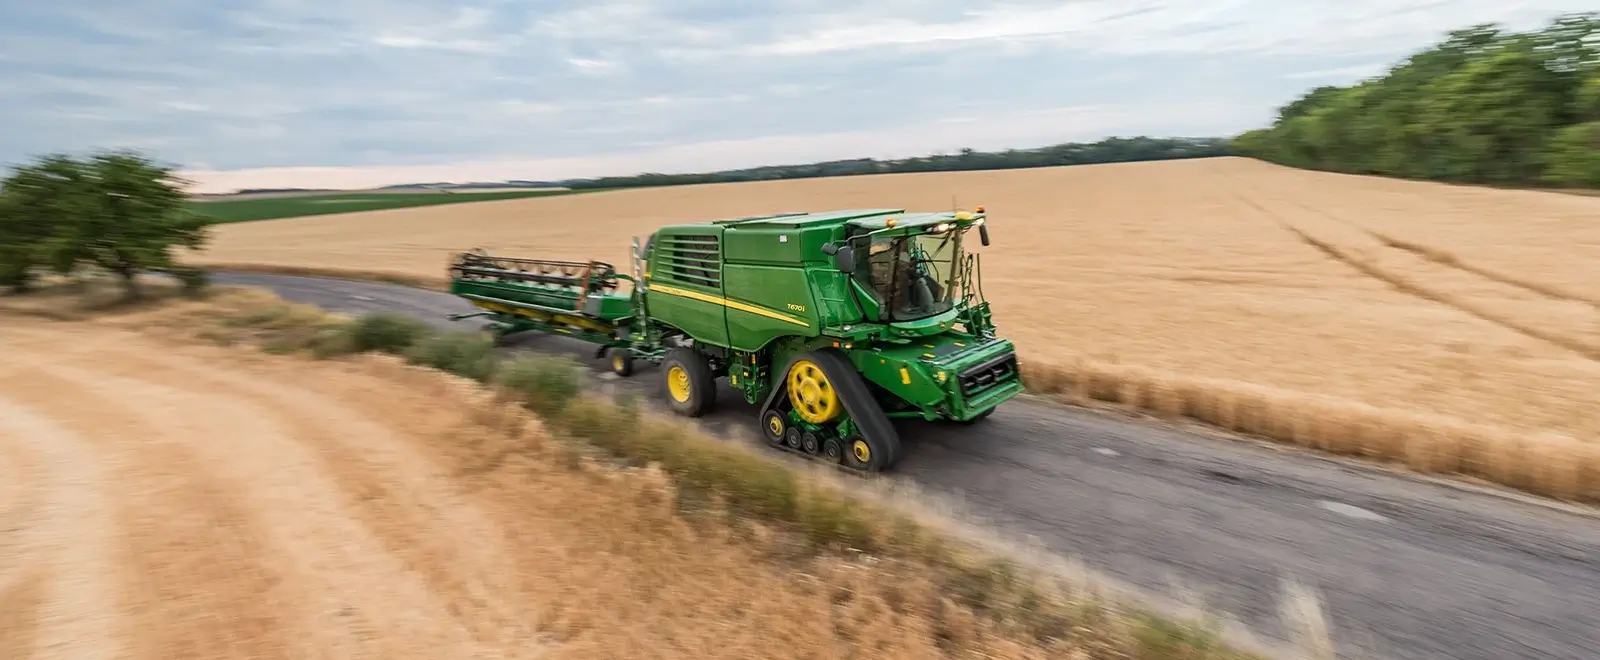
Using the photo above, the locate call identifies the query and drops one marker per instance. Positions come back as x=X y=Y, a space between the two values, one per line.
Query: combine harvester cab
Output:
x=834 y=323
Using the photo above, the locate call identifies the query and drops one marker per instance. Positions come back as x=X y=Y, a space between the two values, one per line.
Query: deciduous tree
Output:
x=118 y=211
x=1482 y=106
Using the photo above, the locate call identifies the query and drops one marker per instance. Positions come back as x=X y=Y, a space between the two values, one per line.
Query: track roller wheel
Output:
x=691 y=391
x=810 y=443
x=774 y=426
x=858 y=453
x=621 y=362
x=833 y=450
x=791 y=437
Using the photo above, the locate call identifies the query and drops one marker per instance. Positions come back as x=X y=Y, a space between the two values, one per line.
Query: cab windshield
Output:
x=913 y=277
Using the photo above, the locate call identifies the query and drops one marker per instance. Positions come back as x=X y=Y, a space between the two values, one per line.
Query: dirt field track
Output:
x=1477 y=306
x=169 y=500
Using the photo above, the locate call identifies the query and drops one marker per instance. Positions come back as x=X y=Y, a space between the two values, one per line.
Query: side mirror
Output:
x=845 y=259
x=983 y=234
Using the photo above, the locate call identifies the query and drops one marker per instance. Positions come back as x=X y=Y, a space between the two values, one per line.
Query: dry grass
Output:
x=1452 y=329
x=439 y=518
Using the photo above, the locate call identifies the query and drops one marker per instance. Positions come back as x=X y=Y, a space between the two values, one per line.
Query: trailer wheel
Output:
x=495 y=338
x=690 y=388
x=621 y=362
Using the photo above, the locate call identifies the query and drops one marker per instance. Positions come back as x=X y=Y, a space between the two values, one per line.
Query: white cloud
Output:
x=1129 y=27
x=594 y=67
x=619 y=86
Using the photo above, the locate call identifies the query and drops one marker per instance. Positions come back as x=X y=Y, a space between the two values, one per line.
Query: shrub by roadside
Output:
x=388 y=333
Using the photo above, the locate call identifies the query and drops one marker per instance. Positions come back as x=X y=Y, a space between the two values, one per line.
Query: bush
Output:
x=462 y=353
x=545 y=384
x=388 y=333
x=16 y=274
x=1575 y=156
x=332 y=341
x=193 y=280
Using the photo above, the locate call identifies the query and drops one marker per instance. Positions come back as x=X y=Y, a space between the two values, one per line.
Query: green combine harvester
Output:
x=833 y=322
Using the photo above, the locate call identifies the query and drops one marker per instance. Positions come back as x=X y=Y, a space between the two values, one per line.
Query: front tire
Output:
x=691 y=389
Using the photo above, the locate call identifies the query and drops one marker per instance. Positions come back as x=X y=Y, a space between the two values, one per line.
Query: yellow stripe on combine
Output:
x=731 y=304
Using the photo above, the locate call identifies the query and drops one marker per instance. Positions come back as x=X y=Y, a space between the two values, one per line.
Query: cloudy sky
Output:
x=327 y=93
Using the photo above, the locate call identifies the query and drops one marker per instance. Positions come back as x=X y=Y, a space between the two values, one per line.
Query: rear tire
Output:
x=691 y=390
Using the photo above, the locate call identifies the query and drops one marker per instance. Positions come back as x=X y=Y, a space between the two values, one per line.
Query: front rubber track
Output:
x=858 y=402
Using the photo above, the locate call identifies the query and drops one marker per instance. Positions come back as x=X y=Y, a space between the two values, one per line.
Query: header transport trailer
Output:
x=833 y=322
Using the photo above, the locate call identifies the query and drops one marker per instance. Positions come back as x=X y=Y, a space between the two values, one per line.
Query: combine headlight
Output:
x=941 y=228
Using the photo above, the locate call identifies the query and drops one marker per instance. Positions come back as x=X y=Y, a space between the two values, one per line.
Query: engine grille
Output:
x=980 y=377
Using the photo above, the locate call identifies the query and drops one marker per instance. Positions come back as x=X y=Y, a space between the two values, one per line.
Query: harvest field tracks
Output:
x=295 y=206
x=1549 y=313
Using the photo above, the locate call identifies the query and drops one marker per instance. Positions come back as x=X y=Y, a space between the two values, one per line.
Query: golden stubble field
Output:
x=1359 y=297
x=168 y=498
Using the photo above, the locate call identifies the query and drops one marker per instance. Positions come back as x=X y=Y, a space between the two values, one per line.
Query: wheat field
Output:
x=172 y=500
x=1454 y=329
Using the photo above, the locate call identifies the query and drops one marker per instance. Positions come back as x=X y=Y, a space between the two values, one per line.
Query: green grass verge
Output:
x=271 y=208
x=825 y=517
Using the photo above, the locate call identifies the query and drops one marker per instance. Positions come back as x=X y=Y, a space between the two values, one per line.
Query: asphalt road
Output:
x=1408 y=569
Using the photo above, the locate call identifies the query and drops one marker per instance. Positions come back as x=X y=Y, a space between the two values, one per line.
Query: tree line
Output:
x=117 y=212
x=1112 y=150
x=1483 y=106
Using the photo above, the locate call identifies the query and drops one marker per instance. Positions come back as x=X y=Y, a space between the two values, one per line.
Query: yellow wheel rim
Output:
x=775 y=424
x=861 y=451
x=616 y=362
x=678 y=384
x=811 y=393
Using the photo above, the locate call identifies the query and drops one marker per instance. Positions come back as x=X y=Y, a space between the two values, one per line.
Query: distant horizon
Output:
x=318 y=178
